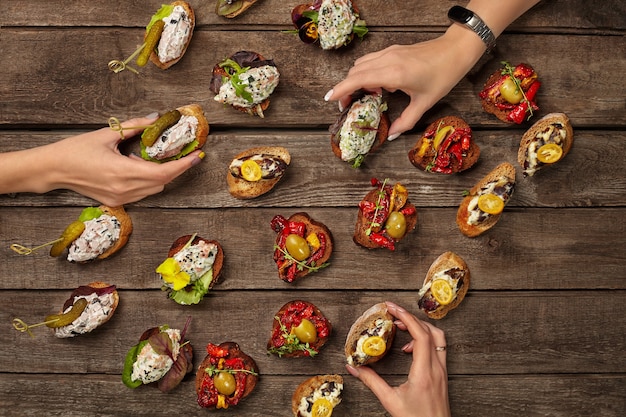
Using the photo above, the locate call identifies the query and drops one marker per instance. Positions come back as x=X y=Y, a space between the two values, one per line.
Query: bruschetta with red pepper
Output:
x=225 y=377
x=445 y=147
x=385 y=216
x=510 y=93
x=303 y=245
x=299 y=329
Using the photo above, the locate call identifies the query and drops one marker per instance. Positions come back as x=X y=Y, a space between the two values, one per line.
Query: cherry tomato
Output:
x=490 y=203
x=225 y=383
x=549 y=153
x=251 y=171
x=510 y=92
x=298 y=247
x=396 y=225
x=306 y=331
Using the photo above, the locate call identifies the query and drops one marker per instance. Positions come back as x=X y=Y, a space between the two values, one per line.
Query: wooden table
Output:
x=541 y=331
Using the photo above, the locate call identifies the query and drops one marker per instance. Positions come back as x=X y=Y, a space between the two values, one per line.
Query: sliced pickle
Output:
x=70 y=234
x=60 y=320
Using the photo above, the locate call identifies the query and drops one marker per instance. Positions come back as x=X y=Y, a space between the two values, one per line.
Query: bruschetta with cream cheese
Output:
x=256 y=171
x=332 y=23
x=317 y=396
x=175 y=134
x=445 y=285
x=361 y=129
x=370 y=336
x=180 y=21
x=245 y=81
x=545 y=143
x=481 y=209
x=193 y=267
x=98 y=233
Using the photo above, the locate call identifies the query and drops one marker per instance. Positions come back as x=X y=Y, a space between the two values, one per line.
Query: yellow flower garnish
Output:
x=171 y=273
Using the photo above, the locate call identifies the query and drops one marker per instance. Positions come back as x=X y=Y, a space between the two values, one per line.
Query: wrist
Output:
x=468 y=46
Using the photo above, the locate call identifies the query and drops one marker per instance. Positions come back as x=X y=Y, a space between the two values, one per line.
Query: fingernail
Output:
x=195 y=161
x=152 y=115
x=353 y=371
x=405 y=347
x=340 y=106
x=328 y=95
x=395 y=307
x=394 y=136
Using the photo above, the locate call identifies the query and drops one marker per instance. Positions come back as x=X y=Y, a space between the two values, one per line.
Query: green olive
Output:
x=225 y=383
x=396 y=225
x=298 y=247
x=306 y=331
x=510 y=92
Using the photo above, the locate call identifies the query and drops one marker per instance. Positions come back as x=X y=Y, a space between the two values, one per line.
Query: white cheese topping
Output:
x=151 y=366
x=555 y=133
x=329 y=391
x=259 y=82
x=97 y=311
x=500 y=187
x=358 y=132
x=380 y=328
x=197 y=260
x=99 y=235
x=334 y=23
x=175 y=34
x=174 y=138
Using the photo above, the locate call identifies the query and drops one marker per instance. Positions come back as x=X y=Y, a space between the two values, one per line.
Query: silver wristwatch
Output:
x=470 y=19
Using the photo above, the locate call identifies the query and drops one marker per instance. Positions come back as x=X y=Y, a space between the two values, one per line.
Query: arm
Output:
x=427 y=71
x=92 y=165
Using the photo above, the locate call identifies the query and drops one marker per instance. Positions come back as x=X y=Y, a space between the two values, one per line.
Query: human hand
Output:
x=91 y=164
x=425 y=393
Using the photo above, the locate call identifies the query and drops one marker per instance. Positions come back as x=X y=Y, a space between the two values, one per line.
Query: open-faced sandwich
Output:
x=256 y=171
x=361 y=129
x=546 y=142
x=385 y=216
x=232 y=8
x=445 y=285
x=162 y=358
x=299 y=329
x=317 y=396
x=481 y=209
x=370 y=336
x=175 y=134
x=509 y=93
x=445 y=147
x=225 y=376
x=303 y=245
x=331 y=22
x=98 y=233
x=192 y=268
x=245 y=81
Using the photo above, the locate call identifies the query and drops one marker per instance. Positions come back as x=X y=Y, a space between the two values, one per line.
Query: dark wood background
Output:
x=541 y=331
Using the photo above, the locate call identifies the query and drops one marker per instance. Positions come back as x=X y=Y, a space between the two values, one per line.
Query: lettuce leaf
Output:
x=164 y=11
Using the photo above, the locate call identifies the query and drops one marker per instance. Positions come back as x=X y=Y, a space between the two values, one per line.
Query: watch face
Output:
x=460 y=14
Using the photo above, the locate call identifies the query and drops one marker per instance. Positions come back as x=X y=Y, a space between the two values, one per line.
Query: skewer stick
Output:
x=117 y=66
x=23 y=250
x=116 y=125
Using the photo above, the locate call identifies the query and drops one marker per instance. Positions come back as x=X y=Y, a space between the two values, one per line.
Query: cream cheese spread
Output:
x=151 y=366
x=259 y=82
x=335 y=22
x=359 y=130
x=97 y=312
x=99 y=235
x=175 y=34
x=174 y=138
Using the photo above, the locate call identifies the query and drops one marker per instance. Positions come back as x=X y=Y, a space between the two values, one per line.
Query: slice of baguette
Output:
x=447 y=261
x=362 y=324
x=154 y=56
x=126 y=228
x=242 y=189
x=180 y=243
x=309 y=386
x=462 y=215
x=422 y=162
x=537 y=128
x=245 y=5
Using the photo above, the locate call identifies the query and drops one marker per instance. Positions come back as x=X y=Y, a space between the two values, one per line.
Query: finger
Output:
x=374 y=382
x=369 y=80
x=172 y=169
x=407 y=119
x=423 y=346
x=140 y=123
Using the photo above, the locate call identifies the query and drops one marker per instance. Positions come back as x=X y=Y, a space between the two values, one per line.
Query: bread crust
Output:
x=246 y=4
x=445 y=261
x=423 y=162
x=539 y=127
x=242 y=189
x=180 y=243
x=308 y=386
x=202 y=131
x=233 y=352
x=126 y=228
x=363 y=323
x=154 y=57
x=504 y=169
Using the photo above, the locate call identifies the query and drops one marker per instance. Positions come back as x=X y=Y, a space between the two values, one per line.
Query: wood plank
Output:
x=528 y=249
x=490 y=333
x=46 y=83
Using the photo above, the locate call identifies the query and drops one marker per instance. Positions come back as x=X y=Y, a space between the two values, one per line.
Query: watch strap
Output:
x=475 y=23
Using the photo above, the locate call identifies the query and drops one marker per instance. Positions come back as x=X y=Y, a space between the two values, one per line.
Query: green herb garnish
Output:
x=292 y=343
x=235 y=80
x=510 y=71
x=301 y=265
x=212 y=371
x=381 y=196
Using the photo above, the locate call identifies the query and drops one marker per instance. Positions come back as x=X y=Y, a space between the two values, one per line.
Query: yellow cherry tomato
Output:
x=250 y=170
x=305 y=331
x=490 y=203
x=322 y=408
x=225 y=383
x=549 y=153
x=374 y=346
x=442 y=291
x=510 y=92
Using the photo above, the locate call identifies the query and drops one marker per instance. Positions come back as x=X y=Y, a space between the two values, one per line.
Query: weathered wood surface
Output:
x=541 y=332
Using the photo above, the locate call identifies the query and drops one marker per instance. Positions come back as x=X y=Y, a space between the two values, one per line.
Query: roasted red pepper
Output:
x=382 y=240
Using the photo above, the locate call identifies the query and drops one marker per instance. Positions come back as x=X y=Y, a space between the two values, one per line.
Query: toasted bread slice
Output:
x=242 y=189
x=202 y=132
x=553 y=128
x=452 y=268
x=288 y=270
x=125 y=230
x=298 y=310
x=222 y=8
x=207 y=393
x=504 y=171
x=306 y=391
x=154 y=56
x=375 y=321
x=423 y=154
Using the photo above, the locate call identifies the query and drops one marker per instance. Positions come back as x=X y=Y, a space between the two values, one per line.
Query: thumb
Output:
x=374 y=382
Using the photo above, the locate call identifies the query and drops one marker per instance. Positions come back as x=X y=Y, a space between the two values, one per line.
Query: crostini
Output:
x=317 y=396
x=370 y=336
x=256 y=171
